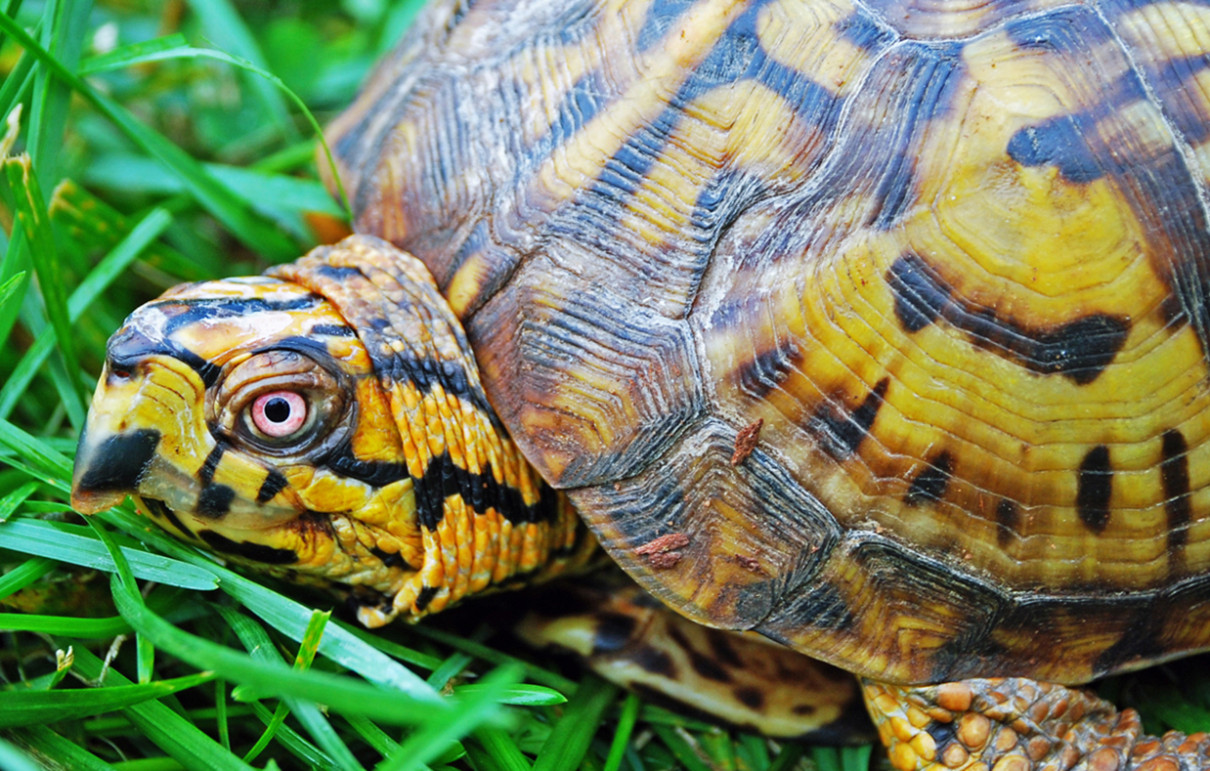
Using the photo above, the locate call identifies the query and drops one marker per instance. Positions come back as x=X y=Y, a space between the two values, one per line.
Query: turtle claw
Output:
x=1018 y=724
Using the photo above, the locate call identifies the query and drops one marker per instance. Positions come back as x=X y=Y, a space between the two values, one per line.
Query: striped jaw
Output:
x=327 y=423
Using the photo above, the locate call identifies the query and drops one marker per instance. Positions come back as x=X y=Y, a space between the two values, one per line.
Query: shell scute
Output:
x=635 y=368
x=737 y=574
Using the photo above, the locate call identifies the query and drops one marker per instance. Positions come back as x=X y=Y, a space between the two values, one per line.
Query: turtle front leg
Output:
x=1016 y=724
x=629 y=638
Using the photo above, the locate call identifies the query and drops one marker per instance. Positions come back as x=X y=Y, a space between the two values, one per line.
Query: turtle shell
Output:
x=880 y=329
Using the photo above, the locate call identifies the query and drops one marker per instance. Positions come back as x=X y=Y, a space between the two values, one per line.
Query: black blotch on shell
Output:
x=1078 y=350
x=751 y=698
x=1174 y=476
x=1094 y=486
x=654 y=661
x=841 y=434
x=932 y=481
x=614 y=632
x=1008 y=518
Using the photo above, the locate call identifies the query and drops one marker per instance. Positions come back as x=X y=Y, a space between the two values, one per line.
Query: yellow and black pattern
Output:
x=1013 y=724
x=949 y=259
x=400 y=480
x=630 y=638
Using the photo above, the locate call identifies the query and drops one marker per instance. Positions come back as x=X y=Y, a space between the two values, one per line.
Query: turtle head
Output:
x=325 y=421
x=227 y=408
x=211 y=396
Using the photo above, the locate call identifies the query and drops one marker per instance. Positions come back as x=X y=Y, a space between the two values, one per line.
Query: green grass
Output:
x=143 y=157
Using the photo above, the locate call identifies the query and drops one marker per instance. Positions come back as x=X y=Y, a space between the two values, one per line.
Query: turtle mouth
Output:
x=162 y=514
x=308 y=550
x=248 y=551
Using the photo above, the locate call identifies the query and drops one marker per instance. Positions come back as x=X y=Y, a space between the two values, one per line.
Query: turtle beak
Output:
x=109 y=464
x=122 y=447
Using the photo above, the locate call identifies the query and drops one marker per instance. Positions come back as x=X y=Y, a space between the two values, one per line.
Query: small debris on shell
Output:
x=665 y=543
x=748 y=563
x=745 y=441
x=661 y=552
x=664 y=560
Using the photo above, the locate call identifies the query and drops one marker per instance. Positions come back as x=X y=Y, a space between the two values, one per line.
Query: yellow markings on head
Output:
x=329 y=491
x=424 y=451
x=376 y=436
x=387 y=418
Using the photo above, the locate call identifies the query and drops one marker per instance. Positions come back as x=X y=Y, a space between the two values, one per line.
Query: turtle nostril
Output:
x=126 y=349
x=118 y=370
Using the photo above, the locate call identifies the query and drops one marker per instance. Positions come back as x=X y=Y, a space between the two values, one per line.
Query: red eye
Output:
x=279 y=413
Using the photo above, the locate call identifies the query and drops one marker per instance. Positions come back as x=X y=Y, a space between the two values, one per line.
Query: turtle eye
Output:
x=280 y=403
x=278 y=414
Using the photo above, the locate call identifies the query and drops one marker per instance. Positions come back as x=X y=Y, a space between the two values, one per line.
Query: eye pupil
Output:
x=279 y=414
x=277 y=410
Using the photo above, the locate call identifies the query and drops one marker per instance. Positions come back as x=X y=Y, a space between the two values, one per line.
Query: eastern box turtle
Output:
x=880 y=329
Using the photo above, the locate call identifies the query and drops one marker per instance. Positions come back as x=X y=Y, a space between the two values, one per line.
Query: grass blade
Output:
x=10 y=502
x=64 y=27
x=165 y=728
x=235 y=61
x=21 y=708
x=24 y=574
x=309 y=714
x=109 y=269
x=621 y=737
x=229 y=33
x=519 y=695
x=13 y=759
x=225 y=204
x=31 y=210
x=132 y=53
x=51 y=745
x=568 y=741
x=290 y=617
x=494 y=750
x=374 y=736
x=10 y=286
x=336 y=691
x=47 y=464
x=14 y=267
x=435 y=737
x=68 y=543
x=292 y=741
x=66 y=626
